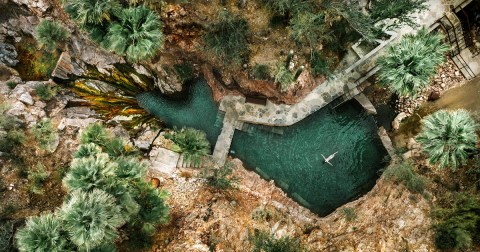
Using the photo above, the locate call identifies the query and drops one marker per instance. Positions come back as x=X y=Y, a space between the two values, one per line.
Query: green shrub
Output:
x=220 y=178
x=309 y=29
x=8 y=210
x=320 y=64
x=458 y=222
x=130 y=168
x=261 y=72
x=36 y=179
x=227 y=38
x=11 y=84
x=403 y=173
x=6 y=235
x=263 y=242
x=115 y=147
x=45 y=91
x=285 y=7
x=91 y=219
x=191 y=142
x=94 y=133
x=448 y=137
x=184 y=72
x=45 y=134
x=284 y=77
x=153 y=210
x=408 y=65
x=10 y=134
x=43 y=233
x=50 y=34
x=349 y=213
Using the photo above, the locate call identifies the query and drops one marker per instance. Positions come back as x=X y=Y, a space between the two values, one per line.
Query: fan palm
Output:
x=193 y=143
x=447 y=137
x=138 y=35
x=92 y=12
x=49 y=34
x=94 y=133
x=89 y=173
x=87 y=150
x=43 y=233
x=408 y=65
x=153 y=209
x=91 y=218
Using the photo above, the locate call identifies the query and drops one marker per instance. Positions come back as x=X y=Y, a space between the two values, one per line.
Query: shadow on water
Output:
x=292 y=155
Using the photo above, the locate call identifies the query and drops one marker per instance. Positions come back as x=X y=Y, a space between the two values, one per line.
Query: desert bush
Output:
x=6 y=235
x=310 y=29
x=404 y=173
x=94 y=133
x=45 y=134
x=349 y=213
x=8 y=210
x=408 y=65
x=91 y=218
x=50 y=34
x=220 y=178
x=138 y=34
x=284 y=77
x=191 y=142
x=448 y=137
x=458 y=222
x=261 y=241
x=43 y=233
x=261 y=72
x=11 y=84
x=320 y=64
x=45 y=91
x=227 y=38
x=184 y=72
x=36 y=179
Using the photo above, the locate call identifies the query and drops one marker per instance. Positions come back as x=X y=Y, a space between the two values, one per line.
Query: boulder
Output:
x=26 y=98
x=398 y=119
x=434 y=95
x=8 y=54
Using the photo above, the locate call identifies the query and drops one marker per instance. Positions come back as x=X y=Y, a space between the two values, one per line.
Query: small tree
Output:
x=310 y=29
x=407 y=66
x=396 y=13
x=50 y=34
x=43 y=233
x=447 y=137
x=138 y=35
x=221 y=178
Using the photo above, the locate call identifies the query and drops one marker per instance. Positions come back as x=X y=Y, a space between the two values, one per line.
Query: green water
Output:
x=292 y=155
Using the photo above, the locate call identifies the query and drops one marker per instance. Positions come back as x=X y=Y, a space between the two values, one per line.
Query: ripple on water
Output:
x=293 y=159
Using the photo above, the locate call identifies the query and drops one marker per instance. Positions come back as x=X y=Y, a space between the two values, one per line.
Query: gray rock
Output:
x=8 y=54
x=396 y=122
x=26 y=98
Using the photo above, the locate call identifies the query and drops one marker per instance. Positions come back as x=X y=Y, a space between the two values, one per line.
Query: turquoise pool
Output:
x=292 y=155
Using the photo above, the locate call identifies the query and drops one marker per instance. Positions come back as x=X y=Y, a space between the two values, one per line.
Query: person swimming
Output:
x=327 y=159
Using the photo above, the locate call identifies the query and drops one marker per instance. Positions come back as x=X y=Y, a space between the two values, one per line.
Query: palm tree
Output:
x=49 y=34
x=138 y=35
x=89 y=173
x=153 y=209
x=408 y=65
x=94 y=133
x=87 y=150
x=447 y=137
x=92 y=12
x=192 y=143
x=43 y=233
x=92 y=218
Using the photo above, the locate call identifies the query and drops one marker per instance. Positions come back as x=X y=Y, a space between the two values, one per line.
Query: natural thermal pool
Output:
x=292 y=155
